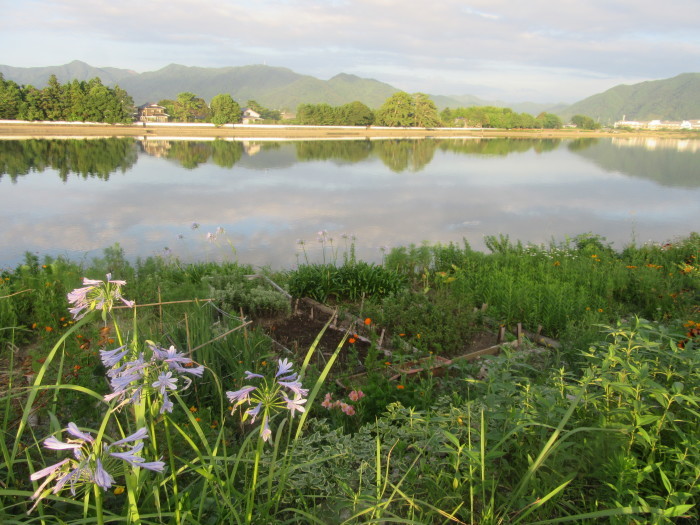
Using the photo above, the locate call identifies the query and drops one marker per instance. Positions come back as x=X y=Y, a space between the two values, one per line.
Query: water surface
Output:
x=154 y=197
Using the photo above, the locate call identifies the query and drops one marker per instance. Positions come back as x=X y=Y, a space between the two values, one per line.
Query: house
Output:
x=151 y=112
x=250 y=116
x=658 y=124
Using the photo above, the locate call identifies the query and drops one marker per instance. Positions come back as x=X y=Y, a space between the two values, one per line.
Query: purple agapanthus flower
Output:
x=270 y=397
x=96 y=295
x=159 y=374
x=87 y=464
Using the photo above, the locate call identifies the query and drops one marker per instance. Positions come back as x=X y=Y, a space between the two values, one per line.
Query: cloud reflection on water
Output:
x=265 y=207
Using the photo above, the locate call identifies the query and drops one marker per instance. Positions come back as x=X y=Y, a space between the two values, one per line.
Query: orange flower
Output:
x=48 y=329
x=198 y=419
x=352 y=340
x=400 y=387
x=193 y=409
x=368 y=321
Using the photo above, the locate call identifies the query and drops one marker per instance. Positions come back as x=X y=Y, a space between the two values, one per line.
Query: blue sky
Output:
x=512 y=50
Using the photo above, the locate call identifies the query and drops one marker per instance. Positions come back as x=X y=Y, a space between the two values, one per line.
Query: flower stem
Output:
x=251 y=493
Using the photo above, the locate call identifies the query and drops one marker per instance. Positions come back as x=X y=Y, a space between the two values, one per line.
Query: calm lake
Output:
x=169 y=197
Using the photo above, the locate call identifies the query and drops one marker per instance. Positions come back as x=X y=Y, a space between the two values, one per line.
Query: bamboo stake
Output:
x=187 y=336
x=17 y=293
x=164 y=302
x=221 y=336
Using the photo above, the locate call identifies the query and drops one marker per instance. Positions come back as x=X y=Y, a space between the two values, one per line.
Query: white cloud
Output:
x=541 y=49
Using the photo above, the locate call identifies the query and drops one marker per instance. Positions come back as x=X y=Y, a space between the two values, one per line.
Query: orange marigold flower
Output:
x=352 y=340
x=48 y=329
x=400 y=387
x=198 y=419
x=193 y=409
x=368 y=321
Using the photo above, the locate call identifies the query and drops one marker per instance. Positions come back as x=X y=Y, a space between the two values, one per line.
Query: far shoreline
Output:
x=42 y=130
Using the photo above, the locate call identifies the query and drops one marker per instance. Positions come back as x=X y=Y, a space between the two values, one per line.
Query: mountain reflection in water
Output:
x=268 y=194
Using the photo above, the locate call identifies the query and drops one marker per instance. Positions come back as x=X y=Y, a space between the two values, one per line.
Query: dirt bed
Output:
x=24 y=130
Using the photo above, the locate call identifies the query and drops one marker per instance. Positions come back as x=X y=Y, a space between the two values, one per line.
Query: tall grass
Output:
x=602 y=429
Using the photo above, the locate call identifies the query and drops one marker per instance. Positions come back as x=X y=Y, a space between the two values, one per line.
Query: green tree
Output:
x=397 y=110
x=10 y=99
x=54 y=101
x=225 y=110
x=584 y=122
x=549 y=120
x=356 y=114
x=189 y=107
x=31 y=108
x=425 y=113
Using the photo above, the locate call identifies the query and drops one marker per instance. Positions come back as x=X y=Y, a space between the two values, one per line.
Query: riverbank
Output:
x=25 y=130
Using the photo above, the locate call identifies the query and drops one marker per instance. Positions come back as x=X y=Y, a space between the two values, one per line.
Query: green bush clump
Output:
x=349 y=282
x=238 y=290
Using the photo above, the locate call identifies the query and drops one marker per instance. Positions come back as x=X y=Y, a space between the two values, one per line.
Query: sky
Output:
x=514 y=50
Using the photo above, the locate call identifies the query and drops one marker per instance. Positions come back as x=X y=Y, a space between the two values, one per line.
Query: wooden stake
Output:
x=245 y=330
x=501 y=334
x=187 y=336
x=160 y=310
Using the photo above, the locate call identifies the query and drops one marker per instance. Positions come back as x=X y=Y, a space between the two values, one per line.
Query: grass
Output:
x=602 y=428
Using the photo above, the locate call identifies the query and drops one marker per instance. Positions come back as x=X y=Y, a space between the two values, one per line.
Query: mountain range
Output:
x=281 y=88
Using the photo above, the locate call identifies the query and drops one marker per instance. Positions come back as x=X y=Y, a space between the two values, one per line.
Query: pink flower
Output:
x=356 y=395
x=327 y=402
x=348 y=409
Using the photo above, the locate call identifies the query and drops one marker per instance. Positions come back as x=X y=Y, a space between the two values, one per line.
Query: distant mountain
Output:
x=281 y=88
x=273 y=87
x=39 y=76
x=674 y=98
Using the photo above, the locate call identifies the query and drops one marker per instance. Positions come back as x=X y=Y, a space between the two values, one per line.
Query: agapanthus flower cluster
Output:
x=96 y=295
x=346 y=408
x=160 y=373
x=92 y=462
x=270 y=397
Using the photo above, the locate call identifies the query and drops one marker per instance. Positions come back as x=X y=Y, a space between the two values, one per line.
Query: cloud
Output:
x=539 y=46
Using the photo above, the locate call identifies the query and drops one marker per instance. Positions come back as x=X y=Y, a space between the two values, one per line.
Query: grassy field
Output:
x=184 y=407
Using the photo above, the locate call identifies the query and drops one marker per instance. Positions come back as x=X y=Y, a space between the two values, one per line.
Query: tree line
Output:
x=417 y=110
x=85 y=101
x=222 y=109
x=91 y=101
